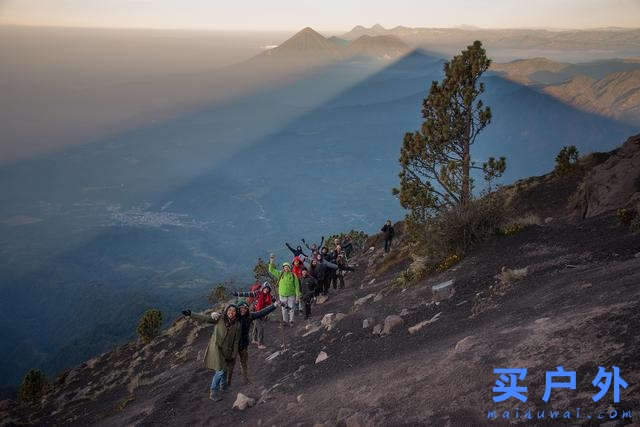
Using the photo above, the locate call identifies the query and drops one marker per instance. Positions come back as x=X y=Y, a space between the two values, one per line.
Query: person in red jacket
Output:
x=297 y=267
x=263 y=299
x=254 y=288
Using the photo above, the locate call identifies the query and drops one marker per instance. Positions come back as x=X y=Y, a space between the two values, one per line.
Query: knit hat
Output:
x=241 y=302
x=286 y=264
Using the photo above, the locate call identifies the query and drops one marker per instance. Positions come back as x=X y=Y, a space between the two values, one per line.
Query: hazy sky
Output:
x=324 y=15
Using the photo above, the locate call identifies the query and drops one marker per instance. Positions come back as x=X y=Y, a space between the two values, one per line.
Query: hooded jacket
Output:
x=262 y=300
x=297 y=269
x=224 y=341
x=308 y=287
x=288 y=284
x=247 y=320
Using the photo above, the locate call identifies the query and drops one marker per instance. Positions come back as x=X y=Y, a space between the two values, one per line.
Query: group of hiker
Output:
x=298 y=283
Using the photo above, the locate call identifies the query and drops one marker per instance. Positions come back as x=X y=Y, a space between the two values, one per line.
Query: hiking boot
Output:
x=261 y=346
x=214 y=396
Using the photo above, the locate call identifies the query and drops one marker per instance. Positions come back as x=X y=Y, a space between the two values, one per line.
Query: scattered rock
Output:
x=339 y=317
x=367 y=323
x=321 y=299
x=415 y=328
x=372 y=249
x=93 y=362
x=327 y=320
x=462 y=303
x=347 y=334
x=273 y=355
x=377 y=329
x=298 y=353
x=378 y=297
x=363 y=300
x=391 y=322
x=322 y=356
x=548 y=220
x=291 y=406
x=311 y=331
x=243 y=402
x=372 y=281
x=404 y=312
x=300 y=398
x=464 y=344
x=638 y=255
x=442 y=291
x=541 y=320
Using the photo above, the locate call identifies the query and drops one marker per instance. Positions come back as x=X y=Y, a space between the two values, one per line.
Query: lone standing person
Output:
x=387 y=229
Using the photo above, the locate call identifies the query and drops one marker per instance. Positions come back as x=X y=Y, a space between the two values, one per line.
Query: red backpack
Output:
x=254 y=288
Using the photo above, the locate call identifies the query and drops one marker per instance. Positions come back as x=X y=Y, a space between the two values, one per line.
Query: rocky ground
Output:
x=564 y=292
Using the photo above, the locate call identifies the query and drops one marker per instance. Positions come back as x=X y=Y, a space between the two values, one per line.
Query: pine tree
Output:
x=436 y=160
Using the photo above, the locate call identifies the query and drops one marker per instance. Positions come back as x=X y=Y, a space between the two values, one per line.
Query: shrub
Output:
x=625 y=216
x=404 y=279
x=149 y=325
x=448 y=262
x=567 y=160
x=460 y=228
x=33 y=386
x=487 y=299
x=261 y=271
x=219 y=292
x=358 y=237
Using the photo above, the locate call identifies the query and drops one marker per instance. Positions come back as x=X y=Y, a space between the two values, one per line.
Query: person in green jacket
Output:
x=288 y=289
x=223 y=345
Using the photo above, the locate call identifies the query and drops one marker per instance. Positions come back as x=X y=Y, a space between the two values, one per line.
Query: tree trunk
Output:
x=465 y=196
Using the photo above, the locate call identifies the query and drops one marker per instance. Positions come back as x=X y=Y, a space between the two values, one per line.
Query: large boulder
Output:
x=611 y=185
x=391 y=322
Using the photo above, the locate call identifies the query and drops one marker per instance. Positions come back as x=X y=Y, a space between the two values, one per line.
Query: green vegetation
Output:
x=567 y=160
x=625 y=216
x=261 y=272
x=149 y=325
x=33 y=386
x=358 y=238
x=219 y=292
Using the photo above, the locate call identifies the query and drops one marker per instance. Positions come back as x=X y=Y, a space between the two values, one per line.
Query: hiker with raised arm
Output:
x=297 y=251
x=288 y=289
x=387 y=229
x=323 y=271
x=222 y=347
x=246 y=318
x=262 y=299
x=308 y=285
x=314 y=247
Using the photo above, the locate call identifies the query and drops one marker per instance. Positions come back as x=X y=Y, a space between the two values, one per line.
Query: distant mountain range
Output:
x=592 y=39
x=312 y=45
x=610 y=88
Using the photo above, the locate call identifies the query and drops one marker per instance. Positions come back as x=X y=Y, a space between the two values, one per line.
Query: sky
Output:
x=323 y=15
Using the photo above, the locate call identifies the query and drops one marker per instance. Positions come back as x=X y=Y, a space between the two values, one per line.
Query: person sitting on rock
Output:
x=223 y=345
x=246 y=318
x=263 y=299
x=288 y=289
x=308 y=285
x=297 y=251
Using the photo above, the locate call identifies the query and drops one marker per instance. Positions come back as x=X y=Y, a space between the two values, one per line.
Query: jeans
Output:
x=307 y=307
x=218 y=380
x=387 y=245
x=287 y=308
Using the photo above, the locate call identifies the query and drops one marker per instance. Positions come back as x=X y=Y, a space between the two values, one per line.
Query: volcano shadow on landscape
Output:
x=328 y=170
